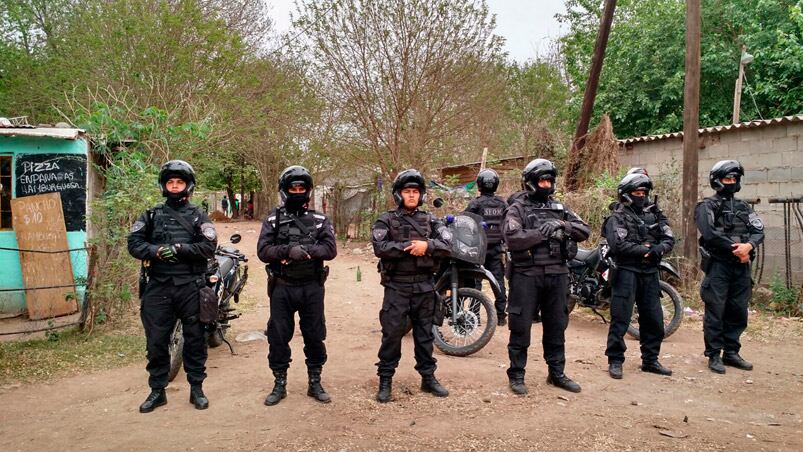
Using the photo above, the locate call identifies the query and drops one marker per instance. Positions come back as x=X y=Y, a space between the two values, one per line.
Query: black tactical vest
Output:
x=401 y=230
x=492 y=210
x=641 y=229
x=549 y=252
x=297 y=230
x=730 y=219
x=166 y=230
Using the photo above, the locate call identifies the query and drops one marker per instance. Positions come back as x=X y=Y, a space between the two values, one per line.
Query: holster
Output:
x=324 y=274
x=209 y=306
x=705 y=260
x=271 y=281
x=143 y=279
x=438 y=313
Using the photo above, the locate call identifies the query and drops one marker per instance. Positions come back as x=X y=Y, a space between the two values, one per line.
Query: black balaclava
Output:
x=296 y=202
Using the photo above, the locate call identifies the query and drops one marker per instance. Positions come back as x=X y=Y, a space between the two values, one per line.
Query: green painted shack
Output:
x=36 y=160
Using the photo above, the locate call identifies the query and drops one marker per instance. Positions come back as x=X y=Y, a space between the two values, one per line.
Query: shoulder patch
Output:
x=137 y=226
x=755 y=221
x=621 y=233
x=513 y=224
x=557 y=206
x=379 y=234
x=208 y=230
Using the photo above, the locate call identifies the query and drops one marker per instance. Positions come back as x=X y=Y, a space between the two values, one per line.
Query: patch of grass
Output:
x=65 y=353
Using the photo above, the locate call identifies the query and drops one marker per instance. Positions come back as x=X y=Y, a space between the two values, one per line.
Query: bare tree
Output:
x=407 y=77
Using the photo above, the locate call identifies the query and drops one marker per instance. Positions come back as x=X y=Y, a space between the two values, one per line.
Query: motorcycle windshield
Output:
x=469 y=243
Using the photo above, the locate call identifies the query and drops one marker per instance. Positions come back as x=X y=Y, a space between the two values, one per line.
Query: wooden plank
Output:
x=39 y=224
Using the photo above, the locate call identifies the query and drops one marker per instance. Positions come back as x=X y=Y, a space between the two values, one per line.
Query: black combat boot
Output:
x=385 y=389
x=198 y=398
x=279 y=388
x=315 y=390
x=560 y=380
x=715 y=364
x=615 y=370
x=156 y=399
x=431 y=385
x=734 y=360
x=501 y=320
x=517 y=385
x=654 y=367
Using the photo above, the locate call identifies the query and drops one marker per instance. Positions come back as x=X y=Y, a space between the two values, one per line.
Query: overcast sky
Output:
x=527 y=25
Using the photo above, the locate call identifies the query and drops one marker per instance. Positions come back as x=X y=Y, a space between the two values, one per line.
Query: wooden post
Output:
x=691 y=124
x=484 y=158
x=590 y=94
x=737 y=91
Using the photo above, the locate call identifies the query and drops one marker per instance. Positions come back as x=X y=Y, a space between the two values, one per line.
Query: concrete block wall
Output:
x=773 y=159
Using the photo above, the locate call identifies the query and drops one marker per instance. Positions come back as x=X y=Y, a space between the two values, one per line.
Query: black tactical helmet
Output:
x=536 y=170
x=631 y=183
x=407 y=179
x=638 y=170
x=294 y=175
x=181 y=170
x=487 y=181
x=725 y=168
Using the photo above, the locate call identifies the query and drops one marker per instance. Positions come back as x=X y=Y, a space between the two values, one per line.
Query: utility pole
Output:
x=691 y=125
x=590 y=94
x=744 y=60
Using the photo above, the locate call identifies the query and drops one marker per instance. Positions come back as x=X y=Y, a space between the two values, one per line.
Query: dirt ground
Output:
x=692 y=410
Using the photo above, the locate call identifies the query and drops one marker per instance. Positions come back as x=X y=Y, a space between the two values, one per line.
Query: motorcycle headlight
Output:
x=214 y=278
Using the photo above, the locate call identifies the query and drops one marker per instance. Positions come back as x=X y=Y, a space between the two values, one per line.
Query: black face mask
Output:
x=638 y=202
x=730 y=189
x=295 y=202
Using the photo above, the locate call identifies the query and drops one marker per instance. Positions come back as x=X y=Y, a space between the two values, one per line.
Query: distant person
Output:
x=492 y=209
x=175 y=239
x=225 y=205
x=730 y=231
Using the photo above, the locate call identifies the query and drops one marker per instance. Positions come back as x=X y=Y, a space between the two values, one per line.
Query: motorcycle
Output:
x=226 y=274
x=469 y=316
x=590 y=287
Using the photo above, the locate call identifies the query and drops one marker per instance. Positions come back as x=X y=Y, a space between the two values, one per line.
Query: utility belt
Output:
x=296 y=277
x=558 y=254
x=147 y=267
x=416 y=278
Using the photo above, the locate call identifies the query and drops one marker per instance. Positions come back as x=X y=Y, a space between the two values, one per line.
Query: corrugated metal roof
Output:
x=717 y=129
x=46 y=132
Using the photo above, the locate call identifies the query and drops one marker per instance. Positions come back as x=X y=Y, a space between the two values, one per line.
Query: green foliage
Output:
x=784 y=299
x=641 y=86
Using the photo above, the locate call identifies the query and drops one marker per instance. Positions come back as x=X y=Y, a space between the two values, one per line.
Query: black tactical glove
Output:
x=655 y=254
x=167 y=253
x=298 y=253
x=549 y=227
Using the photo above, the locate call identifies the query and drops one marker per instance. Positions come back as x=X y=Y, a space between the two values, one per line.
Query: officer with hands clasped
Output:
x=492 y=209
x=637 y=239
x=408 y=242
x=541 y=234
x=174 y=240
x=730 y=231
x=294 y=242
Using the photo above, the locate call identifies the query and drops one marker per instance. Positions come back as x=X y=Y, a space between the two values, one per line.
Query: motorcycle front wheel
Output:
x=471 y=328
x=176 y=349
x=672 y=307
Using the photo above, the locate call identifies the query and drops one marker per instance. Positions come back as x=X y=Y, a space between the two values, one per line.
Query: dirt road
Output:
x=692 y=410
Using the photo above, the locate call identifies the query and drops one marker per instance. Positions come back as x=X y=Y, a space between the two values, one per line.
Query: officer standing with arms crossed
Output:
x=294 y=242
x=540 y=234
x=637 y=241
x=730 y=231
x=408 y=242
x=176 y=239
x=492 y=209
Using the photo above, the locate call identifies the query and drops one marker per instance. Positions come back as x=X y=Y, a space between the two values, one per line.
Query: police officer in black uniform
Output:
x=492 y=209
x=176 y=239
x=408 y=242
x=541 y=235
x=637 y=240
x=294 y=242
x=730 y=231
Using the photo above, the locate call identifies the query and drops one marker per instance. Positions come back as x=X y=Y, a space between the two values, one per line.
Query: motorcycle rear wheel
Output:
x=473 y=326
x=672 y=306
x=176 y=349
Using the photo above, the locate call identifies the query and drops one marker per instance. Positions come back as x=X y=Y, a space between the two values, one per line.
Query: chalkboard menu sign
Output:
x=64 y=174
